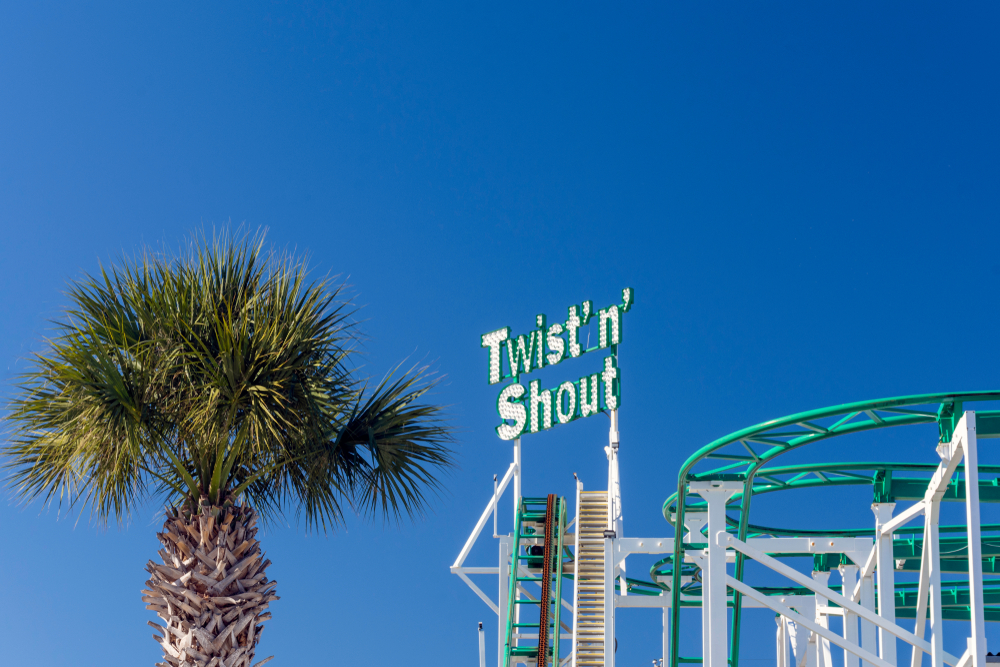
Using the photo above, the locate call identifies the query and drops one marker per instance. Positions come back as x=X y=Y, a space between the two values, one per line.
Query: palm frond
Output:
x=219 y=371
x=405 y=441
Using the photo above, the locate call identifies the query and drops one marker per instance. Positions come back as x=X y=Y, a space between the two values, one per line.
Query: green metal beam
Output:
x=914 y=489
x=952 y=548
x=990 y=565
x=950 y=597
x=953 y=613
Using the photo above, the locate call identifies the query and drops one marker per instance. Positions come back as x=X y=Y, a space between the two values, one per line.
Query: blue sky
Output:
x=804 y=197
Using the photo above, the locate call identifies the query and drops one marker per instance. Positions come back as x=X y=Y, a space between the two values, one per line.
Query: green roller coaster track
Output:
x=532 y=517
x=748 y=456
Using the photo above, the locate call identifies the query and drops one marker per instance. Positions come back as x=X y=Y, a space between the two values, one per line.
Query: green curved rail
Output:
x=827 y=475
x=747 y=454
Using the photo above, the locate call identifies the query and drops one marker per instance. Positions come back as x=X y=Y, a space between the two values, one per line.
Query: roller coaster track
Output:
x=541 y=564
x=749 y=460
x=747 y=456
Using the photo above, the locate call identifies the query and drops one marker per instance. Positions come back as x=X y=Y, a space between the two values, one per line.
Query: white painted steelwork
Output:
x=482 y=646
x=867 y=577
x=576 y=570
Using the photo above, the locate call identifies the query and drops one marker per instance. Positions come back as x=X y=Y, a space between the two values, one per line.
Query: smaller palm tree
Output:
x=220 y=382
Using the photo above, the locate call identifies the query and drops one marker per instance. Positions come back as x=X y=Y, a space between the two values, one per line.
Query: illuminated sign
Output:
x=548 y=345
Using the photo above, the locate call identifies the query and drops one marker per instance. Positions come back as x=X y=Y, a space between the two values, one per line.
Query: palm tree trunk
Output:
x=210 y=590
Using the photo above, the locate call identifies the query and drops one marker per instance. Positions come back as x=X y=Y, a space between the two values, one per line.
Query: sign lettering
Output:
x=533 y=409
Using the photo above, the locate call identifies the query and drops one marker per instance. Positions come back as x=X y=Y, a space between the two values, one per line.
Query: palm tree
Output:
x=220 y=382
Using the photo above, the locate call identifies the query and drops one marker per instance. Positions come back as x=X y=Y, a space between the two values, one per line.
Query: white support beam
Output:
x=917 y=656
x=823 y=657
x=483 y=596
x=868 y=635
x=810 y=545
x=799 y=637
x=642 y=545
x=950 y=460
x=615 y=494
x=503 y=596
x=698 y=557
x=849 y=577
x=609 y=603
x=694 y=521
x=714 y=595
x=782 y=642
x=903 y=518
x=666 y=633
x=482 y=647
x=517 y=477
x=886 y=579
x=833 y=596
x=576 y=563
x=867 y=568
x=475 y=570
x=771 y=603
x=490 y=507
x=966 y=434
x=932 y=547
x=642 y=601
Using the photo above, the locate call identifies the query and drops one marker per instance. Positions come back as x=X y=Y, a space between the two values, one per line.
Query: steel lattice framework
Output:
x=749 y=468
x=704 y=566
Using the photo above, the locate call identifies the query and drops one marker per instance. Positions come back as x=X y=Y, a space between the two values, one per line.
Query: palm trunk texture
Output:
x=210 y=590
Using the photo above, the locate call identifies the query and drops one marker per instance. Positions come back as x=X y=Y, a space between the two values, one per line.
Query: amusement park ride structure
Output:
x=561 y=582
x=706 y=569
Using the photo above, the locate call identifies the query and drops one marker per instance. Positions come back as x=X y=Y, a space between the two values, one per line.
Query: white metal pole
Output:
x=517 y=506
x=800 y=637
x=849 y=577
x=934 y=581
x=977 y=618
x=496 y=505
x=615 y=494
x=886 y=580
x=614 y=481
x=706 y=609
x=779 y=640
x=823 y=658
x=916 y=658
x=717 y=566
x=786 y=653
x=503 y=599
x=611 y=493
x=867 y=628
x=666 y=633
x=517 y=477
x=805 y=639
x=482 y=646
x=693 y=522
x=609 y=603
x=716 y=494
x=576 y=570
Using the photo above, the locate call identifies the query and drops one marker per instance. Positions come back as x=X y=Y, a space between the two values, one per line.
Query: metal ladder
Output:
x=589 y=579
x=539 y=520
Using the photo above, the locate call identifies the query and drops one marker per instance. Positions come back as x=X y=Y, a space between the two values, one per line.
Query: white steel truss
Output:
x=866 y=601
